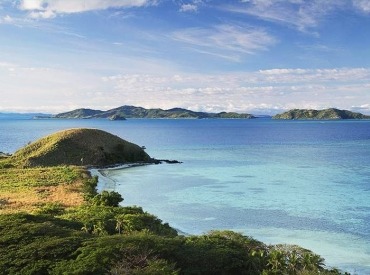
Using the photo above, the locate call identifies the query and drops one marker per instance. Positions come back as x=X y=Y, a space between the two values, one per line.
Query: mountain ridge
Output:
x=127 y=111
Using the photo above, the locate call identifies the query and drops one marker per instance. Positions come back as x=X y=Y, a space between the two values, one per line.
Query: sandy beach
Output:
x=103 y=174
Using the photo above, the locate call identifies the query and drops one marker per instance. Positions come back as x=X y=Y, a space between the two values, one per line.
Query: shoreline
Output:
x=104 y=180
x=103 y=173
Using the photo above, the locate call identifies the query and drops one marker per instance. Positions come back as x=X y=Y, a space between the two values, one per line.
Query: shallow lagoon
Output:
x=303 y=182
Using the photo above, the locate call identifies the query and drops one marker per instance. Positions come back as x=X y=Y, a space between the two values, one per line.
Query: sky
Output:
x=248 y=56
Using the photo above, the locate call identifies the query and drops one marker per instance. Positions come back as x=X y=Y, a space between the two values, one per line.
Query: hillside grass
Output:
x=29 y=189
x=52 y=170
x=80 y=146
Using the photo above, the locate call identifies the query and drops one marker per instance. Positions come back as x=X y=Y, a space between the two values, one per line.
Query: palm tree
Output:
x=294 y=262
x=120 y=220
x=88 y=227
x=277 y=262
x=98 y=228
x=312 y=261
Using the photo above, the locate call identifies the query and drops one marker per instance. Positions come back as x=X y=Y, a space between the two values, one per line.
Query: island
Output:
x=53 y=220
x=125 y=112
x=326 y=114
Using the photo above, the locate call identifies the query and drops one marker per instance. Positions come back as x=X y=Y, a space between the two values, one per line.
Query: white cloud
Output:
x=188 y=8
x=42 y=14
x=32 y=87
x=31 y=5
x=224 y=40
x=300 y=14
x=7 y=19
x=50 y=8
x=363 y=5
x=361 y=108
x=316 y=75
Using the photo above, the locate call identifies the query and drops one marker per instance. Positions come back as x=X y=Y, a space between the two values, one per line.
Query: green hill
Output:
x=79 y=147
x=139 y=112
x=331 y=113
x=79 y=113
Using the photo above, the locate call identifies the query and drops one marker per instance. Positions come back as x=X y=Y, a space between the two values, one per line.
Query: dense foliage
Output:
x=100 y=237
x=126 y=240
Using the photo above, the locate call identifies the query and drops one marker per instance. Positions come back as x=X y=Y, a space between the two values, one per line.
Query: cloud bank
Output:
x=258 y=92
x=262 y=92
x=50 y=8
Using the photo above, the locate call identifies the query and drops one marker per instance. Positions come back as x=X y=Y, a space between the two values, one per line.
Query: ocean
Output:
x=296 y=182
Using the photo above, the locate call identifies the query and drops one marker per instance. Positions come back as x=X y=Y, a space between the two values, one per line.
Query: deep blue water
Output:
x=301 y=182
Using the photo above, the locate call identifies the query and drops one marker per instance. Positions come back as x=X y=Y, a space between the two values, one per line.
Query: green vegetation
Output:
x=123 y=112
x=53 y=221
x=80 y=113
x=29 y=189
x=232 y=115
x=320 y=114
x=99 y=237
x=79 y=147
x=85 y=241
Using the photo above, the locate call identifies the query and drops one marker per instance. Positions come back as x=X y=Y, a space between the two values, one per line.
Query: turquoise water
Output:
x=302 y=182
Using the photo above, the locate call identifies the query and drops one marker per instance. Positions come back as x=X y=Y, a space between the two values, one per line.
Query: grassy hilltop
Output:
x=79 y=147
x=52 y=169
x=53 y=221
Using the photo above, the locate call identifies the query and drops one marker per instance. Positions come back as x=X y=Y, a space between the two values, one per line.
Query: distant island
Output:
x=123 y=112
x=327 y=114
x=133 y=112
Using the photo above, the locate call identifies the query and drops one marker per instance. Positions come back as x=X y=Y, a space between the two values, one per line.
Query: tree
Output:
x=276 y=262
x=141 y=261
x=107 y=198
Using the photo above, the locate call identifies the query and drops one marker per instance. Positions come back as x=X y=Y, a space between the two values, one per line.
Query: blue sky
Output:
x=254 y=56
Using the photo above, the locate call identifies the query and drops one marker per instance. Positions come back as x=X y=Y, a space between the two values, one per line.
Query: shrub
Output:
x=107 y=198
x=89 y=188
x=51 y=208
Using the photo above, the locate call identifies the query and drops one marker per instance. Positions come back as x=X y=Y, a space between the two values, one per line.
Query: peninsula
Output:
x=53 y=221
x=125 y=111
x=326 y=114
